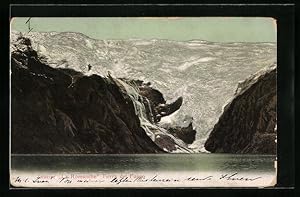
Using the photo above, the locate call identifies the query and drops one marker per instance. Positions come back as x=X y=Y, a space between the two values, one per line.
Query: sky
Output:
x=217 y=29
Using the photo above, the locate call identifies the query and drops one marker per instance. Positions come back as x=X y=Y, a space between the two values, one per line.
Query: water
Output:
x=145 y=162
x=151 y=170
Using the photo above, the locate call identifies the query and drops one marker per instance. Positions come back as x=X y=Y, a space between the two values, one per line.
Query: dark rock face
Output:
x=167 y=109
x=63 y=111
x=248 y=123
x=186 y=134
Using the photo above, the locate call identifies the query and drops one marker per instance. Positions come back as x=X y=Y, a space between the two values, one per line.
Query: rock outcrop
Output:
x=248 y=123
x=158 y=105
x=186 y=134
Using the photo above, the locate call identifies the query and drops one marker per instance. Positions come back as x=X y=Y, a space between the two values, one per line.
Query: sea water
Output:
x=143 y=170
x=144 y=162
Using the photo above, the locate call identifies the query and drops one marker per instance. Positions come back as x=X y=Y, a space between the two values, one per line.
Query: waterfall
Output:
x=150 y=109
x=152 y=130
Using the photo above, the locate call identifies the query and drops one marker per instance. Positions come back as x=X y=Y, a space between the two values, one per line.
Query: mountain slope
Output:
x=248 y=123
x=63 y=111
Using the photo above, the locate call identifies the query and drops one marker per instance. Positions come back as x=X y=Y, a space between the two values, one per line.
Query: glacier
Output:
x=204 y=73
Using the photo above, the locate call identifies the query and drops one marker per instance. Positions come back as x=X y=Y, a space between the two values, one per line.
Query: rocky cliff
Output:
x=60 y=110
x=248 y=123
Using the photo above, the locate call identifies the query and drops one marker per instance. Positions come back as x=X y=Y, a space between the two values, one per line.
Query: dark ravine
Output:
x=60 y=110
x=248 y=123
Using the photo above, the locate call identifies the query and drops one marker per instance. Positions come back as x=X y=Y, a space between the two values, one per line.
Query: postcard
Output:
x=143 y=102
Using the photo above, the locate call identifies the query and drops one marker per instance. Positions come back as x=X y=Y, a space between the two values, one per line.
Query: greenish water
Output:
x=149 y=162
